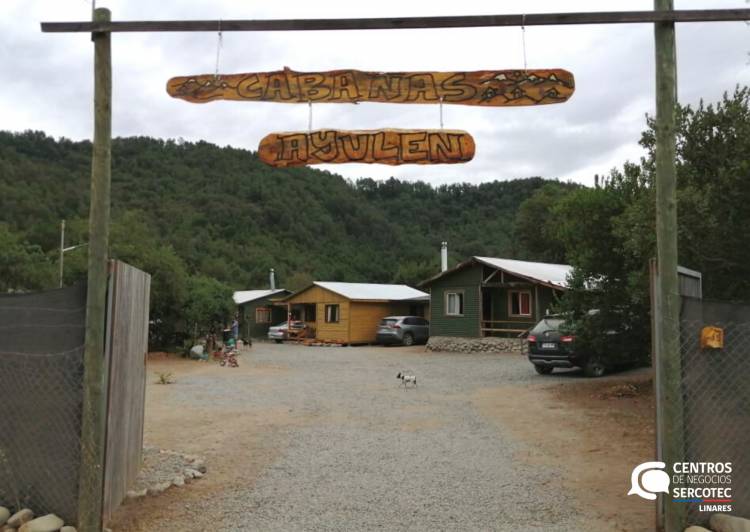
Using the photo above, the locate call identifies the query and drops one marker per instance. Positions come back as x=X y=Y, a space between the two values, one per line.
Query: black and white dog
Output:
x=407 y=378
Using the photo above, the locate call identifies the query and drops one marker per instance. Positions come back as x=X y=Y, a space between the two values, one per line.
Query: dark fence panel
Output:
x=41 y=370
x=716 y=395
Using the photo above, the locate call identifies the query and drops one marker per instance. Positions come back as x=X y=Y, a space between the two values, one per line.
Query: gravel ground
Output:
x=373 y=455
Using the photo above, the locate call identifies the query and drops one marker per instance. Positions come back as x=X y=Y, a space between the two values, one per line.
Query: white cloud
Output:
x=47 y=78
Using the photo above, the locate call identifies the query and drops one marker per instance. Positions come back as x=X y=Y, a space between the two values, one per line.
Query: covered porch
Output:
x=511 y=305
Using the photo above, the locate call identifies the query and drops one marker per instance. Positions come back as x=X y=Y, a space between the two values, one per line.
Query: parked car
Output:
x=280 y=332
x=553 y=343
x=406 y=330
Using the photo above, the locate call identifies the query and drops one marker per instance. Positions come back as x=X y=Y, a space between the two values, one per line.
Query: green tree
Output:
x=207 y=302
x=23 y=266
x=535 y=227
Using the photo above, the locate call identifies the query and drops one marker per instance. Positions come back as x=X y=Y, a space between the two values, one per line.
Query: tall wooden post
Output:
x=667 y=332
x=90 y=488
x=62 y=250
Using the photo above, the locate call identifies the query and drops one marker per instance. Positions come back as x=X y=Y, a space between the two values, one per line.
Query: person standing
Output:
x=236 y=328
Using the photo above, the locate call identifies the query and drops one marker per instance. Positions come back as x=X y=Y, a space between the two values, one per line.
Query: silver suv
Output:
x=406 y=330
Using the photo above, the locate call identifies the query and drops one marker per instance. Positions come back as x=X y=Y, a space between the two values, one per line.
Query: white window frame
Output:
x=510 y=304
x=462 y=301
x=329 y=308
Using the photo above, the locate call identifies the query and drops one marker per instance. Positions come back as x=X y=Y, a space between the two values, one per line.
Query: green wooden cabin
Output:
x=486 y=296
x=257 y=311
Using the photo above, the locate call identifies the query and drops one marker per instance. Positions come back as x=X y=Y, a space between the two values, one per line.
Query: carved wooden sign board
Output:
x=490 y=88
x=386 y=146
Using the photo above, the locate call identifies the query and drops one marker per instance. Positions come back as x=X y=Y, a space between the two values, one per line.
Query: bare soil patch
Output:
x=596 y=430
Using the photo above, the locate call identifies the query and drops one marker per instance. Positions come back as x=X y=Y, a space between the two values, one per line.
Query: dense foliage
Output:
x=184 y=210
x=608 y=232
x=204 y=220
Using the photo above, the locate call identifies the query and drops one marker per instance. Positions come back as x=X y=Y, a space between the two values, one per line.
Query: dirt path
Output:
x=596 y=431
x=324 y=439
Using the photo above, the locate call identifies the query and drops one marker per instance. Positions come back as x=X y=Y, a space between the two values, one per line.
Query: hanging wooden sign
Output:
x=383 y=146
x=493 y=88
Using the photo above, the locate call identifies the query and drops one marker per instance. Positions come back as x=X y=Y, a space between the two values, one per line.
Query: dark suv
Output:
x=553 y=343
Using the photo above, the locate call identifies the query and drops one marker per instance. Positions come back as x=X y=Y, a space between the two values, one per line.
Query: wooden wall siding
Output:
x=468 y=280
x=126 y=349
x=365 y=318
x=316 y=294
x=381 y=146
x=328 y=332
x=332 y=332
x=489 y=88
x=249 y=328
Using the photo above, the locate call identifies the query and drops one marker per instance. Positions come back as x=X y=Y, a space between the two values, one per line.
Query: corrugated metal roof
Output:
x=555 y=274
x=245 y=296
x=369 y=291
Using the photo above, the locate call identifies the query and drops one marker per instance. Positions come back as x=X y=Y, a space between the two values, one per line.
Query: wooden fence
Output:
x=126 y=349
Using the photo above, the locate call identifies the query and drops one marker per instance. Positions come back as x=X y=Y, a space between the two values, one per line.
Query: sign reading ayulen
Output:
x=383 y=146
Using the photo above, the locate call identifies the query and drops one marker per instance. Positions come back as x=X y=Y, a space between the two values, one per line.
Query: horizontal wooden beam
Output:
x=397 y=23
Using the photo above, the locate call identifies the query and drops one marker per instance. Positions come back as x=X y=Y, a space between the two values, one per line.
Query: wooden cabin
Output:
x=257 y=312
x=349 y=313
x=486 y=296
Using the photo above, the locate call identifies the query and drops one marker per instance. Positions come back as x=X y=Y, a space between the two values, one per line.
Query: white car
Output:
x=280 y=332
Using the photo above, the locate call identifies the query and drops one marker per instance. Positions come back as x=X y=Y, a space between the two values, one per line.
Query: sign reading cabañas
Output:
x=493 y=88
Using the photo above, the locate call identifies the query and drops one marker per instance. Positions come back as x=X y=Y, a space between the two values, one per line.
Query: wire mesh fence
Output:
x=41 y=369
x=716 y=402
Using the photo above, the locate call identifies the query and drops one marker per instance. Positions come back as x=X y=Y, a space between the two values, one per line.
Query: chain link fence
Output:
x=716 y=399
x=41 y=370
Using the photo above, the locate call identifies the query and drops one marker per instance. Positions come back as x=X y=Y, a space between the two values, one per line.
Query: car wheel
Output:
x=277 y=341
x=408 y=339
x=543 y=370
x=593 y=368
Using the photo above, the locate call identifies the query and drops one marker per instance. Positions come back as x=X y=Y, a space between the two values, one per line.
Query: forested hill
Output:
x=221 y=213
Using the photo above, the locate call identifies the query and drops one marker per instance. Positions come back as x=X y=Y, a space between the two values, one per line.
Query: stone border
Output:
x=487 y=344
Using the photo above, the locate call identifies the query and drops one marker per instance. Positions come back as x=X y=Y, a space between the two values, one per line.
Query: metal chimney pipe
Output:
x=272 y=279
x=443 y=256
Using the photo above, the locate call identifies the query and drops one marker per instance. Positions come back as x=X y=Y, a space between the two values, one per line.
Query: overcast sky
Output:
x=47 y=78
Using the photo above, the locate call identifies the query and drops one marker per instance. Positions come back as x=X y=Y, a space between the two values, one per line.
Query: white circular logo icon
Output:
x=648 y=479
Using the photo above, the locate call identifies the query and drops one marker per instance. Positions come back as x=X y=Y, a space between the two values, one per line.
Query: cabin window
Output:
x=262 y=315
x=332 y=313
x=519 y=303
x=454 y=303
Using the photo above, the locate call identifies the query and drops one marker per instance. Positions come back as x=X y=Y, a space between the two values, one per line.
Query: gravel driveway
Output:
x=364 y=453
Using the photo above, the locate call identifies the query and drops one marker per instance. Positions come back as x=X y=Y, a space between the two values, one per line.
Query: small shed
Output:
x=257 y=311
x=487 y=296
x=349 y=313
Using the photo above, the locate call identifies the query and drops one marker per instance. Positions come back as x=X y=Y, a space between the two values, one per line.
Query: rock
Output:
x=728 y=523
x=47 y=523
x=6 y=528
x=696 y=528
x=178 y=481
x=475 y=345
x=136 y=494
x=68 y=529
x=198 y=465
x=156 y=490
x=193 y=473
x=20 y=517
x=4 y=515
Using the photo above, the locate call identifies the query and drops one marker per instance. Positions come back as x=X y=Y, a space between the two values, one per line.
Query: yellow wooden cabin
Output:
x=349 y=313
